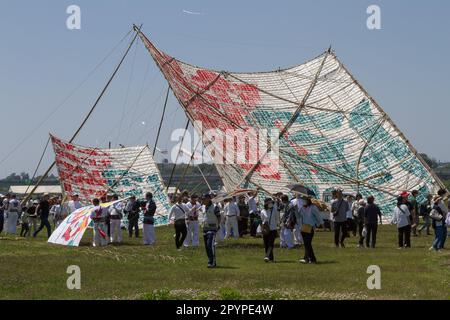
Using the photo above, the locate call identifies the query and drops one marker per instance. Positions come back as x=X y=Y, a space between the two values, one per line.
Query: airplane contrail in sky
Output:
x=192 y=12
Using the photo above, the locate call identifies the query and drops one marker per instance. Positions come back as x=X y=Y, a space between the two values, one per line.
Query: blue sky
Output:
x=404 y=65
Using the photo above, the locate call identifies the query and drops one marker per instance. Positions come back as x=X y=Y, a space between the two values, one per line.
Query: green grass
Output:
x=34 y=269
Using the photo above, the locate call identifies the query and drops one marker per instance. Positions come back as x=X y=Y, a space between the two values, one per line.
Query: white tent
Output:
x=40 y=190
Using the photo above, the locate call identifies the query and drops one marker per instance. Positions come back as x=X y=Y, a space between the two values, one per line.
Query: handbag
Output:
x=266 y=225
x=364 y=232
x=435 y=215
x=306 y=228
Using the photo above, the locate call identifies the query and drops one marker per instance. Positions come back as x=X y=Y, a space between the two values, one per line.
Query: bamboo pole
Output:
x=85 y=118
x=178 y=154
x=161 y=122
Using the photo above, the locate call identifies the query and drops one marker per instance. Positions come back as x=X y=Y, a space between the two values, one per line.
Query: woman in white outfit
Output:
x=192 y=222
x=115 y=220
x=14 y=209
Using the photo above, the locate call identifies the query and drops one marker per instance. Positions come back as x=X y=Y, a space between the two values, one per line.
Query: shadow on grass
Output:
x=327 y=262
x=240 y=245
x=123 y=244
x=286 y=262
x=13 y=238
x=298 y=263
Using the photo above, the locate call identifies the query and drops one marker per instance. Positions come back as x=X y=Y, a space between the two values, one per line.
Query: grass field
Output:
x=34 y=269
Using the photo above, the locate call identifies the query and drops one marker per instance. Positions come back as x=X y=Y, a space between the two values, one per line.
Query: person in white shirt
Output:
x=298 y=201
x=74 y=204
x=270 y=219
x=231 y=211
x=178 y=214
x=56 y=212
x=14 y=209
x=4 y=213
x=193 y=212
x=115 y=218
x=98 y=215
x=402 y=218
x=33 y=218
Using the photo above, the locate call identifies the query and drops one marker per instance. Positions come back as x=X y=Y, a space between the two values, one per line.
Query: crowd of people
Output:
x=294 y=221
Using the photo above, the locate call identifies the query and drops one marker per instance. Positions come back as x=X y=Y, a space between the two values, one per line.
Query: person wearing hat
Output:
x=339 y=209
x=402 y=218
x=405 y=195
x=43 y=211
x=211 y=220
